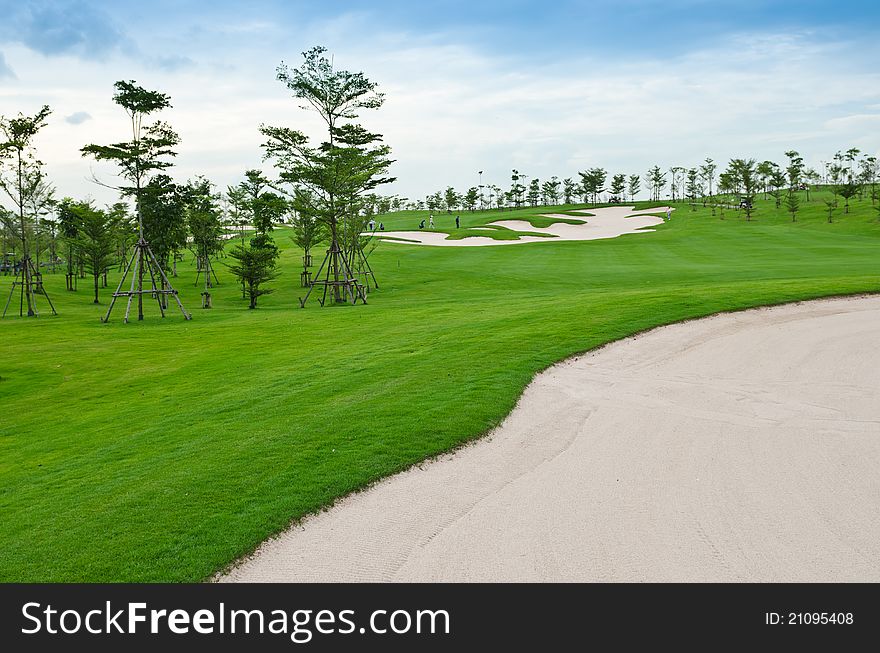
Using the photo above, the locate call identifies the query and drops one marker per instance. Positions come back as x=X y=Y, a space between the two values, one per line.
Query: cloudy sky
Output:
x=548 y=88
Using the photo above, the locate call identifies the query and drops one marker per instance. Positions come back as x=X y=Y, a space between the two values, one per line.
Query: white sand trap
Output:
x=741 y=447
x=609 y=222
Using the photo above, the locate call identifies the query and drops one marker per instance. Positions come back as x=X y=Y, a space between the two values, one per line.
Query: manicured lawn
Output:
x=163 y=450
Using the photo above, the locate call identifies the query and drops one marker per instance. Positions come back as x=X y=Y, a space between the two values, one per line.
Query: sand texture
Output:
x=741 y=447
x=609 y=222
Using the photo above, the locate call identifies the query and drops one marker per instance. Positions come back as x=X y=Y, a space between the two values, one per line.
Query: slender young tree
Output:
x=593 y=183
x=450 y=199
x=206 y=229
x=763 y=173
x=707 y=171
x=744 y=174
x=633 y=186
x=534 y=191
x=569 y=189
x=147 y=153
x=794 y=175
x=869 y=167
x=254 y=267
x=550 y=190
x=307 y=232
x=830 y=206
x=23 y=181
x=694 y=187
x=777 y=182
x=792 y=205
x=677 y=175
x=656 y=180
x=93 y=241
x=516 y=189
x=471 y=198
x=618 y=186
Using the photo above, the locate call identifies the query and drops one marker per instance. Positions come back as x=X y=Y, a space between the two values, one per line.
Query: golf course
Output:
x=165 y=450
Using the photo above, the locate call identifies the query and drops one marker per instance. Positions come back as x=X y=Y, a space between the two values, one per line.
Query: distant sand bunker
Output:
x=609 y=222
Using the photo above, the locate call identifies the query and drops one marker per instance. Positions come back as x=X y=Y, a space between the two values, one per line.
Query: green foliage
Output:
x=150 y=144
x=471 y=197
x=694 y=186
x=451 y=199
x=92 y=240
x=593 y=183
x=550 y=190
x=707 y=172
x=830 y=206
x=203 y=217
x=21 y=174
x=792 y=204
x=569 y=189
x=633 y=186
x=618 y=185
x=656 y=181
x=307 y=231
x=256 y=265
x=163 y=206
x=332 y=93
x=534 y=191
x=742 y=173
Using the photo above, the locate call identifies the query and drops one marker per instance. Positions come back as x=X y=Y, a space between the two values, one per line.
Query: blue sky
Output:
x=549 y=88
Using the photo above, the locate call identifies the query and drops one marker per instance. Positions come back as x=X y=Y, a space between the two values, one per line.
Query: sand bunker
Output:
x=741 y=447
x=608 y=222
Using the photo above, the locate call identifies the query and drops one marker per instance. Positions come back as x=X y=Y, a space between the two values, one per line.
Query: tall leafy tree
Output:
x=550 y=190
x=151 y=146
x=148 y=153
x=694 y=186
x=656 y=180
x=744 y=172
x=569 y=189
x=676 y=175
x=471 y=198
x=68 y=222
x=618 y=185
x=633 y=186
x=203 y=217
x=869 y=170
x=450 y=199
x=777 y=182
x=794 y=177
x=534 y=191
x=707 y=171
x=516 y=189
x=329 y=180
x=593 y=183
x=763 y=173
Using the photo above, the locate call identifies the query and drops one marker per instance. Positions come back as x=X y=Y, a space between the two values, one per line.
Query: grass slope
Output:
x=163 y=450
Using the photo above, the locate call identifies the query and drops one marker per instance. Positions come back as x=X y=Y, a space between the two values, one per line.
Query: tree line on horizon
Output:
x=846 y=176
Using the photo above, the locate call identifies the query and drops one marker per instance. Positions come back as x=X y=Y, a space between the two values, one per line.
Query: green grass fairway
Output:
x=163 y=450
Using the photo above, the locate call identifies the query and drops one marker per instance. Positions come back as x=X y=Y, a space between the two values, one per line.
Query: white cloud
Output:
x=5 y=70
x=78 y=118
x=453 y=109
